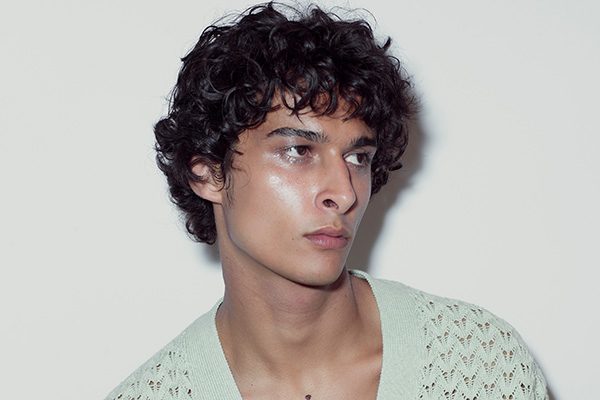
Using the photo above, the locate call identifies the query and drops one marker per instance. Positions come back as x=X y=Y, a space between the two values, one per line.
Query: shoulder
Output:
x=463 y=348
x=179 y=368
x=471 y=350
x=165 y=375
x=445 y=319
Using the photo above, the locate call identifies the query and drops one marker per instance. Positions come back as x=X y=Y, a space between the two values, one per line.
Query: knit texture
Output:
x=433 y=349
x=163 y=377
x=471 y=355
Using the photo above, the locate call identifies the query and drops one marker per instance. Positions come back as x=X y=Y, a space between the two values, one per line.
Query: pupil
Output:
x=301 y=150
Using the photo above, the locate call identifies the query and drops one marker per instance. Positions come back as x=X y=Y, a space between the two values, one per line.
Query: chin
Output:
x=322 y=277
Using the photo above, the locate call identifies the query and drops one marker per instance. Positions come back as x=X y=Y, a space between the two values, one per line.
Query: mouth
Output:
x=329 y=238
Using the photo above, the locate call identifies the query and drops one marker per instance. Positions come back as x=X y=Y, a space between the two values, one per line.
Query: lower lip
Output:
x=328 y=242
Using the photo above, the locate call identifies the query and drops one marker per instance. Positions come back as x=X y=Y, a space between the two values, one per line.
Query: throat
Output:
x=278 y=355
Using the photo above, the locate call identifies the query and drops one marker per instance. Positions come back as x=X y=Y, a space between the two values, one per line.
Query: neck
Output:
x=280 y=321
x=278 y=334
x=281 y=328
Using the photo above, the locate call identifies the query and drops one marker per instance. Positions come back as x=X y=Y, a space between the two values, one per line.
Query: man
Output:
x=282 y=125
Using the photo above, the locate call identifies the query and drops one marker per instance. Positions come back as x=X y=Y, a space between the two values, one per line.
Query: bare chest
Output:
x=354 y=382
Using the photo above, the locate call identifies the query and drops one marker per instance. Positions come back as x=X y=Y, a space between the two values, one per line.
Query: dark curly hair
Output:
x=228 y=82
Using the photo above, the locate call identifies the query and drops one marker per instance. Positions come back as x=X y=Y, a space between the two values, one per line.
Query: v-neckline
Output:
x=398 y=331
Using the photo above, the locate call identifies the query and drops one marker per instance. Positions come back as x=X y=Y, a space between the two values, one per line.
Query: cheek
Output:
x=288 y=192
x=361 y=182
x=362 y=189
x=269 y=198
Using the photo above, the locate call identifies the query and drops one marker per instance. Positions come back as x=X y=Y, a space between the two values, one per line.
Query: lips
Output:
x=329 y=238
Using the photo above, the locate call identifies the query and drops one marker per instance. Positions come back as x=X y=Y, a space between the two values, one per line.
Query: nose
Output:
x=336 y=192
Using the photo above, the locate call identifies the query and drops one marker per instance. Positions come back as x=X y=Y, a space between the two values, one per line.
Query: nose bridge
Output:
x=336 y=188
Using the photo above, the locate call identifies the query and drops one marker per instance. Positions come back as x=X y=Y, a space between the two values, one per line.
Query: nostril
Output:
x=330 y=203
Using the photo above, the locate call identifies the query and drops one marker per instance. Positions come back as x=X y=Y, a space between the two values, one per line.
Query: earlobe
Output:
x=206 y=186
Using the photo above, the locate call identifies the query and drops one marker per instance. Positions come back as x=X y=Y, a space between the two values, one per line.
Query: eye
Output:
x=359 y=159
x=297 y=152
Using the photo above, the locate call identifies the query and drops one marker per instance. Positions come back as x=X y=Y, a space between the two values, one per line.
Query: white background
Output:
x=497 y=205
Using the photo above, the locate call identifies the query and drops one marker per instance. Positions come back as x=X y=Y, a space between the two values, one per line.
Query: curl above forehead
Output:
x=242 y=66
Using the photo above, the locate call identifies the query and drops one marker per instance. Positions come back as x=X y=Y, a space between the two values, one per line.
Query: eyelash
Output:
x=368 y=157
x=366 y=162
x=297 y=148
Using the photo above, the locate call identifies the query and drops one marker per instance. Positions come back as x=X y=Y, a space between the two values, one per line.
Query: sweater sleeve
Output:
x=472 y=354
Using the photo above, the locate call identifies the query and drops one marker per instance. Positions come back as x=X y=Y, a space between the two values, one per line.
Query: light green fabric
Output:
x=433 y=348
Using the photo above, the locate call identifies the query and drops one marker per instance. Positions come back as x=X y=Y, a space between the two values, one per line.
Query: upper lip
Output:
x=331 y=231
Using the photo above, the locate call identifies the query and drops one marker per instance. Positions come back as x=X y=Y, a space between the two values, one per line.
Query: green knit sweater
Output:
x=433 y=348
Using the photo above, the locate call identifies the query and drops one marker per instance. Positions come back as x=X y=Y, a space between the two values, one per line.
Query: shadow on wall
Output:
x=389 y=196
x=211 y=252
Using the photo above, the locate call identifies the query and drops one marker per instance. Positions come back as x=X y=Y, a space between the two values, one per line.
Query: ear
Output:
x=207 y=186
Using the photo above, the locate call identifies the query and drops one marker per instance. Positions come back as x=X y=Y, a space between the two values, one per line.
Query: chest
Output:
x=359 y=381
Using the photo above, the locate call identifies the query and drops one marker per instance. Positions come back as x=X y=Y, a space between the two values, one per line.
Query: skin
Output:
x=293 y=320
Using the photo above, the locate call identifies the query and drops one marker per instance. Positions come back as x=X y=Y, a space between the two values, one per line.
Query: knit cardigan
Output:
x=433 y=348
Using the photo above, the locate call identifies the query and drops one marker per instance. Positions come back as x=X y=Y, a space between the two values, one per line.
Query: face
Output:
x=296 y=195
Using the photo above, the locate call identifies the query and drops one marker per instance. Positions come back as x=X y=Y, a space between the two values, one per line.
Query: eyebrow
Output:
x=363 y=141
x=313 y=136
x=319 y=137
